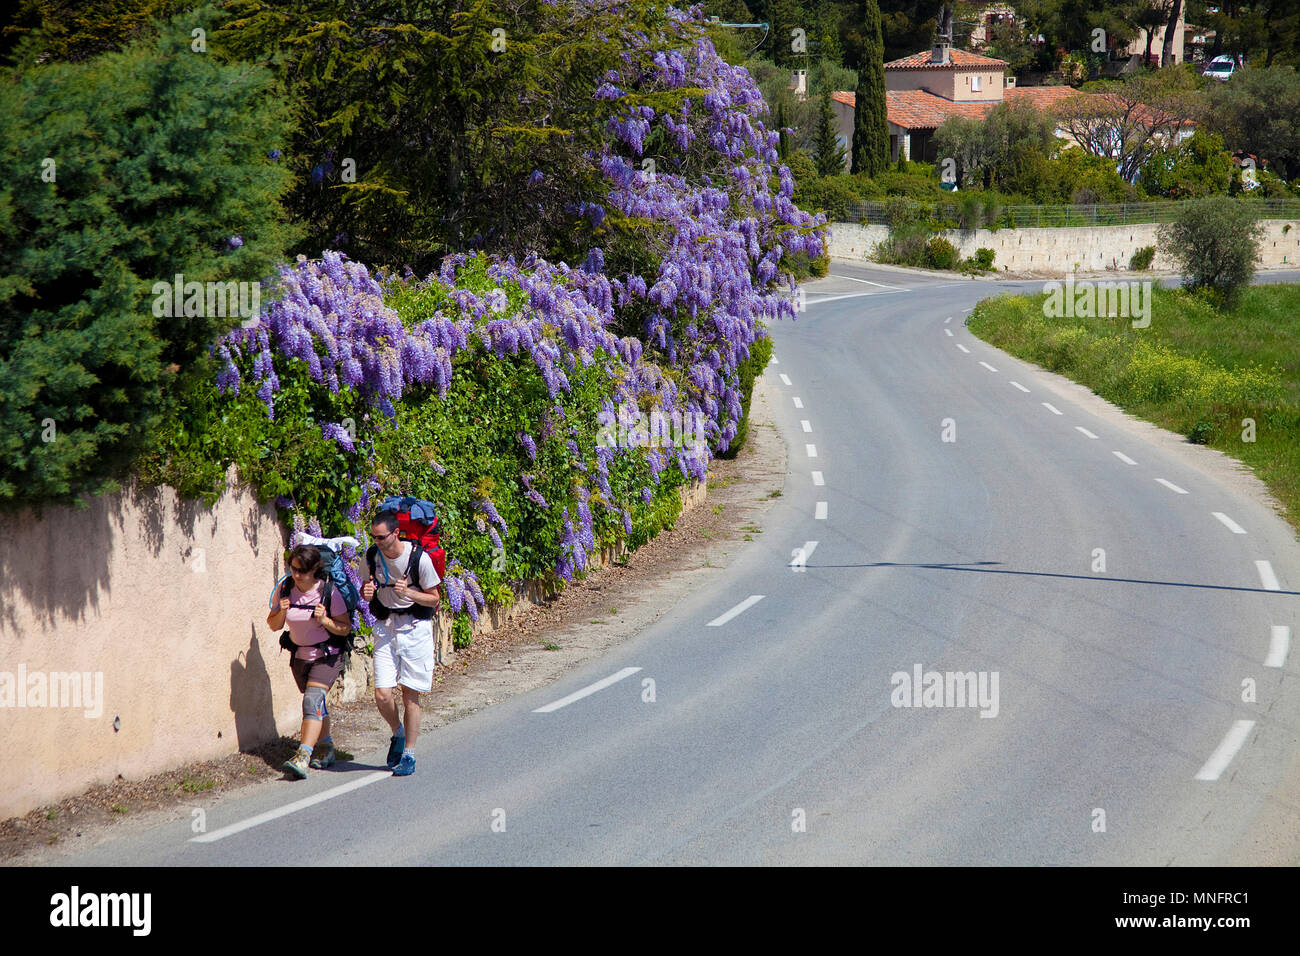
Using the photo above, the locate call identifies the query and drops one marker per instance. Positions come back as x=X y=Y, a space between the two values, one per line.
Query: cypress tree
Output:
x=830 y=154
x=870 y=119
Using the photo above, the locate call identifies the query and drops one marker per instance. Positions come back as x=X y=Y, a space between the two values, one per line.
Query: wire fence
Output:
x=980 y=214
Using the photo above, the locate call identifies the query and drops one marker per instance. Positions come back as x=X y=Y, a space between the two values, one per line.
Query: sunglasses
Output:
x=297 y=570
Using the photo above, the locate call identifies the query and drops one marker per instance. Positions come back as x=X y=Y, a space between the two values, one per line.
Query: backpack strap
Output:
x=413 y=565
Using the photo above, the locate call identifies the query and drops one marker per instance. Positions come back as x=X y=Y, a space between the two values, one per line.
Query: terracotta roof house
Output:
x=925 y=89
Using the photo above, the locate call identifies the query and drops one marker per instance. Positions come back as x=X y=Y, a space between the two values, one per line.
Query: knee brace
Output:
x=313 y=704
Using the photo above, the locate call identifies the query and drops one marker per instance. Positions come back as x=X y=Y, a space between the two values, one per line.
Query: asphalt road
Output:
x=772 y=737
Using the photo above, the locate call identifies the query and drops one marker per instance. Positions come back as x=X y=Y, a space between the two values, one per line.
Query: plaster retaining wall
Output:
x=1057 y=252
x=158 y=605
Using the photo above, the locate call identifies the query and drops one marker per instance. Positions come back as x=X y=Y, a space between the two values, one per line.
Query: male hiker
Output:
x=404 y=599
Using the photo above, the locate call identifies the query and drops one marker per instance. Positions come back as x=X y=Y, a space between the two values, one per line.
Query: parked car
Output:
x=1222 y=67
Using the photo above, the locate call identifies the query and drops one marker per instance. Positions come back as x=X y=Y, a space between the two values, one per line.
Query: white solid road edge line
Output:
x=1267 y=576
x=289 y=808
x=1231 y=525
x=1278 y=645
x=587 y=691
x=740 y=608
x=1171 y=486
x=1226 y=750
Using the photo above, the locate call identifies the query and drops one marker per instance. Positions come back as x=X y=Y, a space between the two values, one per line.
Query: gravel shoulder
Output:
x=535 y=647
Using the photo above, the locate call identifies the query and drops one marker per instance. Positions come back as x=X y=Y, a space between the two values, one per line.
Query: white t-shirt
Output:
x=389 y=572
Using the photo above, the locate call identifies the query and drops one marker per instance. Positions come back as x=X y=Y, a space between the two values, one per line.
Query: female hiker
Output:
x=318 y=656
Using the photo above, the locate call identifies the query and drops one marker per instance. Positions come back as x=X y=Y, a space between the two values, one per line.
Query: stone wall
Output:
x=159 y=606
x=1056 y=252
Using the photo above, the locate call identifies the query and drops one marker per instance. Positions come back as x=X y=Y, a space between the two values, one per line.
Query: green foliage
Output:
x=941 y=254
x=870 y=148
x=981 y=262
x=421 y=125
x=1140 y=261
x=122 y=172
x=1216 y=243
x=1199 y=166
x=760 y=353
x=1004 y=146
x=830 y=154
x=1256 y=113
x=72 y=31
x=908 y=245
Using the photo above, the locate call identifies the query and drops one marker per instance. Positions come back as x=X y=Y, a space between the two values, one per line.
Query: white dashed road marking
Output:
x=1051 y=408
x=1226 y=750
x=1021 y=387
x=1266 y=576
x=988 y=366
x=740 y=608
x=785 y=379
x=1080 y=428
x=1278 y=645
x=1171 y=486
x=818 y=479
x=811 y=450
x=587 y=691
x=963 y=348
x=820 y=513
x=294 y=807
x=1124 y=458
x=948 y=332
x=798 y=402
x=1231 y=525
x=805 y=424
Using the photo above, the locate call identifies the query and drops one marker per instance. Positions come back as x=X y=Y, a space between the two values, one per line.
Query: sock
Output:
x=305 y=749
x=408 y=752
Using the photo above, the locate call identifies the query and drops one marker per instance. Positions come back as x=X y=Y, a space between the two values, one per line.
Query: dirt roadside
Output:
x=536 y=647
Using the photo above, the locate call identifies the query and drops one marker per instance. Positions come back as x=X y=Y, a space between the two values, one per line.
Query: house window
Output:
x=975 y=84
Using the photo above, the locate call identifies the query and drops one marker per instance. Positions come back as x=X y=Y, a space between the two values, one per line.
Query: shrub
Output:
x=941 y=254
x=158 y=165
x=1141 y=260
x=908 y=245
x=1215 y=241
x=760 y=353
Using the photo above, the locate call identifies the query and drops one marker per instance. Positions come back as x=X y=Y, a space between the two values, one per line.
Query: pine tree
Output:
x=870 y=117
x=830 y=154
x=121 y=172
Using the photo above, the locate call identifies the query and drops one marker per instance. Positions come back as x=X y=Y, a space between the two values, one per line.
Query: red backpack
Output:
x=417 y=522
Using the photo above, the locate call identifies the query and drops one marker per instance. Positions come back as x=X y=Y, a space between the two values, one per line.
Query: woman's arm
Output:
x=275 y=620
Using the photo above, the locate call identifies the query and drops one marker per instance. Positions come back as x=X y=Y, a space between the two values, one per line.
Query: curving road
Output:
x=1118 y=734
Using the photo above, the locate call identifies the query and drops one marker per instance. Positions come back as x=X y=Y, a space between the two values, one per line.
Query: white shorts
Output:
x=404 y=653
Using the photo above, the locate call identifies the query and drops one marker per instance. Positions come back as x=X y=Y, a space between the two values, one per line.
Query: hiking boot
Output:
x=395 y=747
x=326 y=758
x=297 y=765
x=405 y=767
